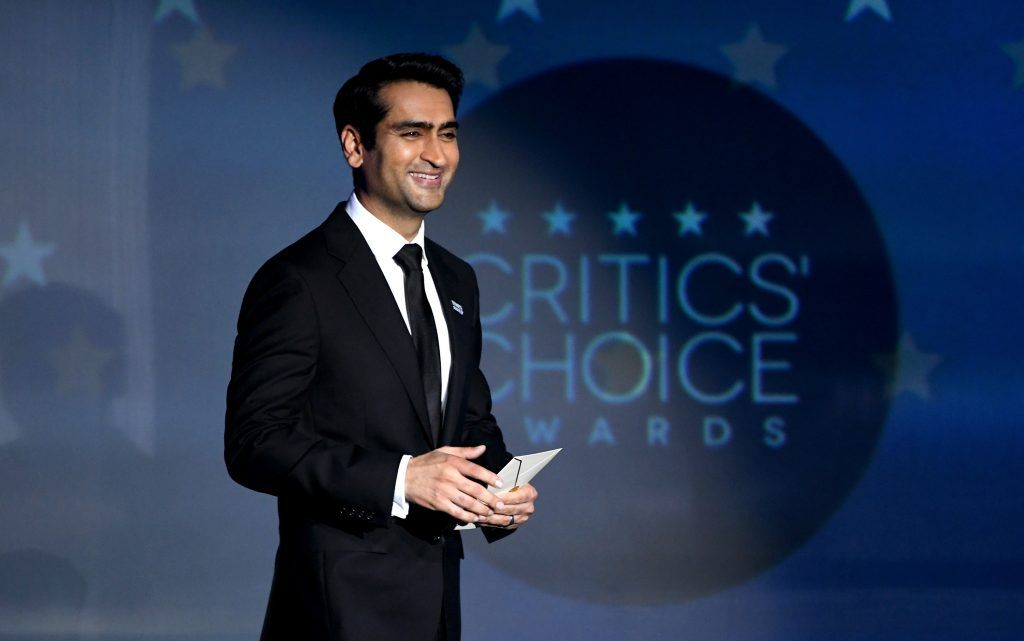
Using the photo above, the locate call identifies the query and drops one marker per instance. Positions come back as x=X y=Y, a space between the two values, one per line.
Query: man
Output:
x=356 y=395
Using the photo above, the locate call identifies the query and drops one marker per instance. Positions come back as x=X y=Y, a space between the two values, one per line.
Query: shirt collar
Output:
x=384 y=242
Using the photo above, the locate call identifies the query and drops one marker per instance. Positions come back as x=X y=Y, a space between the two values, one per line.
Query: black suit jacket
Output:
x=325 y=397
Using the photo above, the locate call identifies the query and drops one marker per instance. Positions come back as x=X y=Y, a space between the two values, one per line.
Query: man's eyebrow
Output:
x=422 y=124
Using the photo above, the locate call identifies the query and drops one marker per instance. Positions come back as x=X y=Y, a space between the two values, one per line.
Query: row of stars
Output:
x=203 y=59
x=509 y=8
x=624 y=220
x=187 y=9
x=754 y=59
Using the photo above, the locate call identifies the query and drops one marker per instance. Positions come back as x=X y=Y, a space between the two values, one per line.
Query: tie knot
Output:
x=410 y=258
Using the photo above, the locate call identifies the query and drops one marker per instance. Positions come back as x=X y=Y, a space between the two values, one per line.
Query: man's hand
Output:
x=442 y=480
x=517 y=508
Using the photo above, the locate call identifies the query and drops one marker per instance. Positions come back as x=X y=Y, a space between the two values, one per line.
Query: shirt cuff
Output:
x=400 y=506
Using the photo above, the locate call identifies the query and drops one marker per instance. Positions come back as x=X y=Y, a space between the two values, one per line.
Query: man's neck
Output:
x=406 y=225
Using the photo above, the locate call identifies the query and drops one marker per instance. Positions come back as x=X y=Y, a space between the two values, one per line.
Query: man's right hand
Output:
x=443 y=480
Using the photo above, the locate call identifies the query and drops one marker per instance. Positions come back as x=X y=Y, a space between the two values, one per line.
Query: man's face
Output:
x=416 y=154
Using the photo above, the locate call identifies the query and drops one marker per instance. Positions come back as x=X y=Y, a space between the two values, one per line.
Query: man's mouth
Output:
x=425 y=178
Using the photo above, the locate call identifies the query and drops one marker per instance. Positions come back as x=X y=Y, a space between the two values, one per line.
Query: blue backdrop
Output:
x=754 y=265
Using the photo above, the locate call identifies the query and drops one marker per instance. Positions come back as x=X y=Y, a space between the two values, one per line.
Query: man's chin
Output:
x=424 y=207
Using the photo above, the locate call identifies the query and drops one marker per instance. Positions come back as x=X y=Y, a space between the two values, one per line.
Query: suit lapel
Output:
x=448 y=294
x=361 y=277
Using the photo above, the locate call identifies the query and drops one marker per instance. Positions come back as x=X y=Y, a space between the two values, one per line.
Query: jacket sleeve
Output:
x=271 y=443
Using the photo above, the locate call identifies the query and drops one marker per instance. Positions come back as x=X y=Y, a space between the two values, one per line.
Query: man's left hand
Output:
x=515 y=509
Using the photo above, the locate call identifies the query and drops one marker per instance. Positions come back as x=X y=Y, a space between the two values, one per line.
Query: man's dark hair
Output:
x=358 y=101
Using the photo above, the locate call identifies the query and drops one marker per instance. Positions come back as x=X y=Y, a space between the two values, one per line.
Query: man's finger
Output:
x=480 y=473
x=463 y=452
x=471 y=504
x=523 y=494
x=480 y=494
x=518 y=509
x=505 y=521
x=463 y=515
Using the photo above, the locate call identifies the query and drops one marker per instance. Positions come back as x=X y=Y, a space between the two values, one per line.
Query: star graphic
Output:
x=754 y=59
x=79 y=365
x=881 y=7
x=494 y=219
x=558 y=220
x=909 y=368
x=756 y=220
x=478 y=57
x=508 y=7
x=186 y=8
x=625 y=220
x=203 y=60
x=690 y=220
x=1016 y=51
x=25 y=257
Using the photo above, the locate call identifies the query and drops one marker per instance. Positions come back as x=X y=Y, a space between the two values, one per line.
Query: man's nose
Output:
x=433 y=151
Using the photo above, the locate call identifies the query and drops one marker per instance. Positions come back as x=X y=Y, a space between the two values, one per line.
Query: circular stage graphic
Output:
x=683 y=288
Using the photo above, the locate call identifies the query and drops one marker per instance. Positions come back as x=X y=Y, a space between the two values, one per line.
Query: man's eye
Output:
x=411 y=133
x=448 y=135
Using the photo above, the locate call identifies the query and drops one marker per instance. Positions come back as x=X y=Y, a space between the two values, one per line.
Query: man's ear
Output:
x=352 y=146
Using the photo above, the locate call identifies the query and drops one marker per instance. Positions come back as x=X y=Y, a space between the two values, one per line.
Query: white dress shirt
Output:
x=385 y=242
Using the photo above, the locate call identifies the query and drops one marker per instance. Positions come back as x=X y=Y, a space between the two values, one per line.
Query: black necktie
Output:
x=424 y=333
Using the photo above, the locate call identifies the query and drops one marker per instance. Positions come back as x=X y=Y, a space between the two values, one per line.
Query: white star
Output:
x=494 y=219
x=690 y=220
x=881 y=7
x=25 y=257
x=508 y=7
x=909 y=369
x=478 y=57
x=756 y=220
x=558 y=220
x=625 y=220
x=203 y=60
x=753 y=59
x=1016 y=51
x=186 y=8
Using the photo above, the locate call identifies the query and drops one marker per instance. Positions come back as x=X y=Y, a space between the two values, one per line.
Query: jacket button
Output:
x=436 y=539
